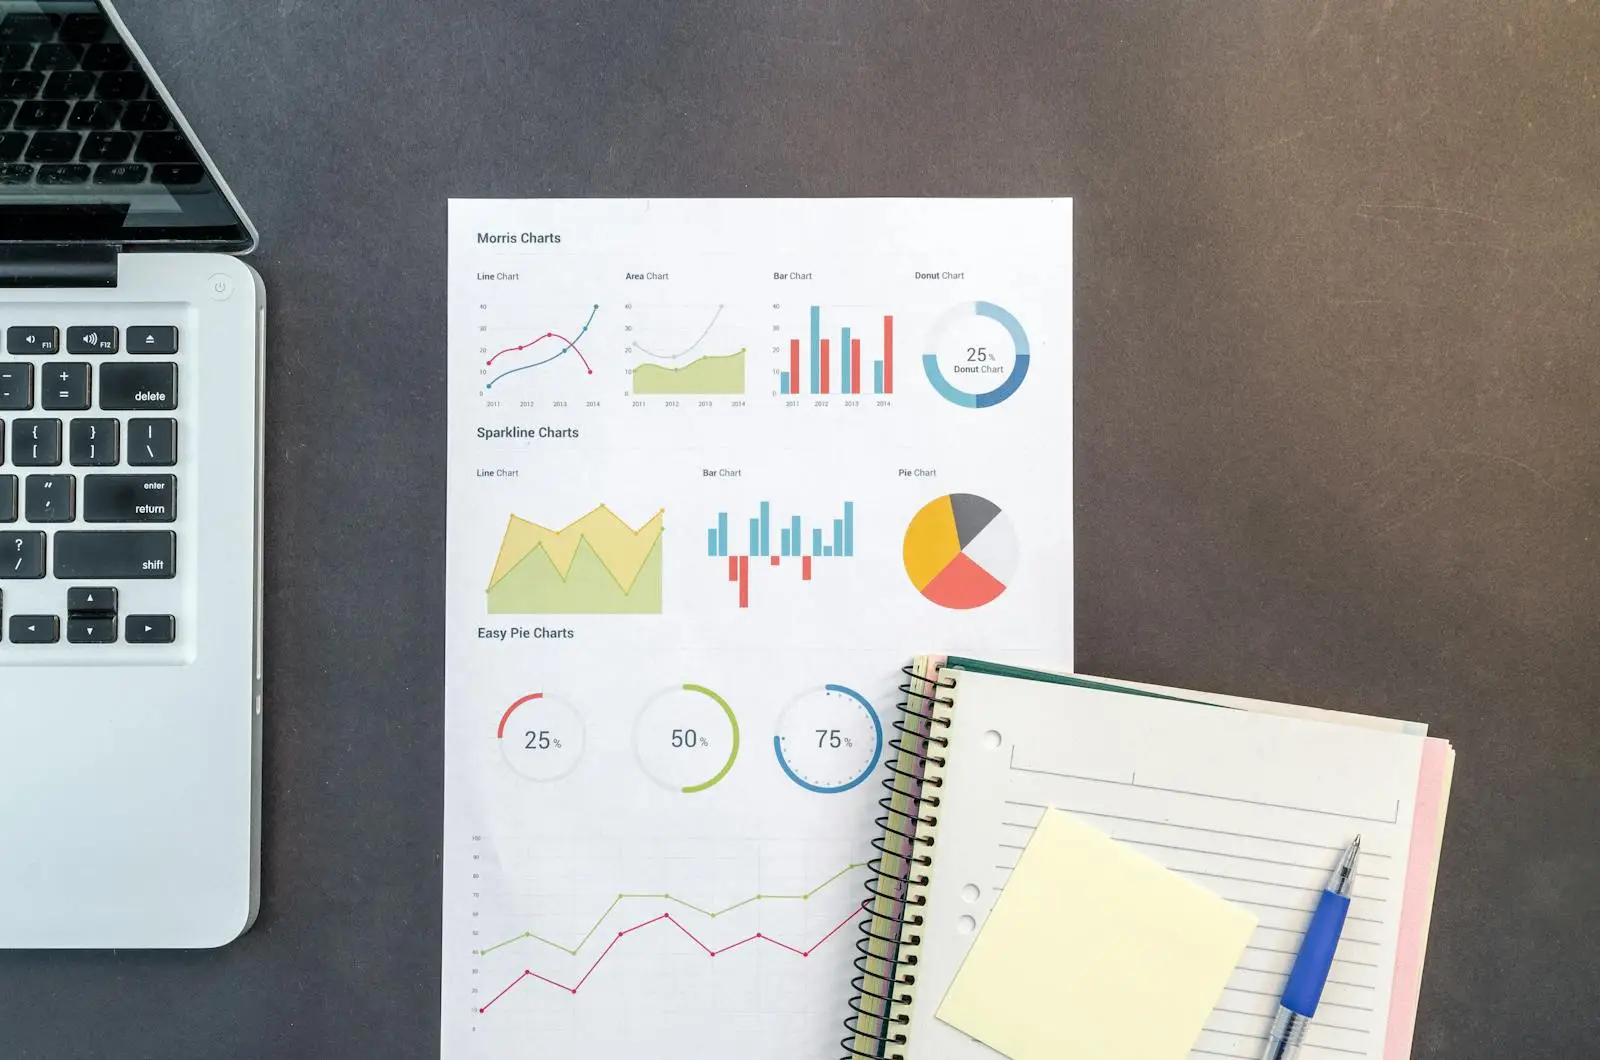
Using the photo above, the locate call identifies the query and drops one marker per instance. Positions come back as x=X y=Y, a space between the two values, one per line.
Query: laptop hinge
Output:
x=58 y=265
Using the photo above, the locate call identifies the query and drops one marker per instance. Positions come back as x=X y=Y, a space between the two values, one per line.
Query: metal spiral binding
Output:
x=899 y=877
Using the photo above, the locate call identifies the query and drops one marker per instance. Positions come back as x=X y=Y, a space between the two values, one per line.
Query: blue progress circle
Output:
x=1019 y=368
x=877 y=750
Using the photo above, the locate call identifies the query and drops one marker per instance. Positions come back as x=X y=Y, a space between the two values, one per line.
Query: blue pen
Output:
x=1310 y=972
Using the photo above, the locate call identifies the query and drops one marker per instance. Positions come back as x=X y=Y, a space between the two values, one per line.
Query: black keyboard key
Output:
x=7 y=109
x=152 y=443
x=42 y=114
x=20 y=84
x=121 y=84
x=11 y=145
x=92 y=600
x=150 y=629
x=16 y=387
x=130 y=499
x=50 y=498
x=180 y=174
x=147 y=115
x=65 y=387
x=121 y=173
x=29 y=26
x=94 y=114
x=108 y=56
x=15 y=173
x=84 y=27
x=36 y=443
x=22 y=554
x=8 y=498
x=102 y=629
x=106 y=147
x=93 y=443
x=163 y=147
x=57 y=57
x=100 y=338
x=139 y=387
x=161 y=340
x=32 y=341
x=68 y=84
x=64 y=173
x=35 y=629
x=112 y=554
x=15 y=56
x=53 y=147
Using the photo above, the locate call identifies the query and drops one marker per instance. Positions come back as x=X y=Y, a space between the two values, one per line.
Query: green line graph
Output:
x=712 y=913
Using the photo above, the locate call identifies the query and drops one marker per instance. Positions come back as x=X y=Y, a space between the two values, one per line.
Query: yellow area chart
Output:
x=596 y=565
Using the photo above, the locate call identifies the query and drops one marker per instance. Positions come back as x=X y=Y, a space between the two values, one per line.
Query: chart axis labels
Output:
x=961 y=551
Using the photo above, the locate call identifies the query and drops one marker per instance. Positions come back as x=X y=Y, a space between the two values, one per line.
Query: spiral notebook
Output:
x=1246 y=798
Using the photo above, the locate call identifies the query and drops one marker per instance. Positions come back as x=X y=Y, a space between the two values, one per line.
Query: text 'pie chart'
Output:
x=961 y=551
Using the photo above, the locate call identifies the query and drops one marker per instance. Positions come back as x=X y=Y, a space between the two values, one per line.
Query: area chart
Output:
x=596 y=565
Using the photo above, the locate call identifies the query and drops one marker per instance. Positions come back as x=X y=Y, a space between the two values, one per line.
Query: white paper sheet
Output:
x=644 y=851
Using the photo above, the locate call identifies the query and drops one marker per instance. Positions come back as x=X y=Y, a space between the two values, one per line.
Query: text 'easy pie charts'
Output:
x=961 y=551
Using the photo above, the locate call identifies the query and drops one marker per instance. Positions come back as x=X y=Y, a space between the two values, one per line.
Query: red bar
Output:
x=744 y=581
x=805 y=568
x=823 y=383
x=888 y=355
x=774 y=559
x=733 y=568
x=855 y=366
x=794 y=366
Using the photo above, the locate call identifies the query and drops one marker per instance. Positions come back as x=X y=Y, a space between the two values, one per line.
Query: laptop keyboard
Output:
x=89 y=490
x=76 y=110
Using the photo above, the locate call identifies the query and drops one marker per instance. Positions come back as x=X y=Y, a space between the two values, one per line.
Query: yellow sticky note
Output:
x=1094 y=950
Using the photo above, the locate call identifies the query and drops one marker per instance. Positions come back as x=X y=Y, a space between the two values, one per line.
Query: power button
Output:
x=219 y=287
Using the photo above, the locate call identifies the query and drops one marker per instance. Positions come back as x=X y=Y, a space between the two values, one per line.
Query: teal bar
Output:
x=827 y=550
x=722 y=533
x=838 y=538
x=816 y=541
x=849 y=528
x=783 y=382
x=877 y=377
x=794 y=536
x=766 y=530
x=844 y=361
x=755 y=537
x=816 y=347
x=783 y=539
x=711 y=541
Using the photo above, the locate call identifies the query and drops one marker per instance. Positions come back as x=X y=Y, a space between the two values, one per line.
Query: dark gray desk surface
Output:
x=1337 y=388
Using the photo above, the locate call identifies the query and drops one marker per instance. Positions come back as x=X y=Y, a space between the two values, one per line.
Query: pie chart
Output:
x=960 y=551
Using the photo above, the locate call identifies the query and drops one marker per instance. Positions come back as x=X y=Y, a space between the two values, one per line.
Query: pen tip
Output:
x=1355 y=844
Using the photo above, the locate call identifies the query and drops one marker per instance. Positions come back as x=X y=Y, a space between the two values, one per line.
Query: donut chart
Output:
x=977 y=355
x=961 y=551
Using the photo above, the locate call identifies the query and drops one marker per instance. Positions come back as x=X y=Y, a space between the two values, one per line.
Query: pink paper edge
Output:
x=1416 y=904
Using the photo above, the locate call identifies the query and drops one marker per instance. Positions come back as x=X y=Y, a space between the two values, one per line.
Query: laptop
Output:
x=130 y=504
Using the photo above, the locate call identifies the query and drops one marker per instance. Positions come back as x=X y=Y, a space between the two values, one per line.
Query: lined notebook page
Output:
x=1254 y=807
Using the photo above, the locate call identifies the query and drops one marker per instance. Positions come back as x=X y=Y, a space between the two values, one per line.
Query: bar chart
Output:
x=817 y=353
x=802 y=543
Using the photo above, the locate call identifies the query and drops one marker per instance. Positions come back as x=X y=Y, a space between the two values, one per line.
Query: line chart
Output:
x=528 y=973
x=642 y=348
x=568 y=345
x=712 y=913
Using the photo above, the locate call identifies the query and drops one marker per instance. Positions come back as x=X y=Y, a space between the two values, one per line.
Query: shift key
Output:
x=150 y=386
x=84 y=555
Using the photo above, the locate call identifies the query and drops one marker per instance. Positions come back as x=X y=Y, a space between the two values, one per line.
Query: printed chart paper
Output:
x=718 y=469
